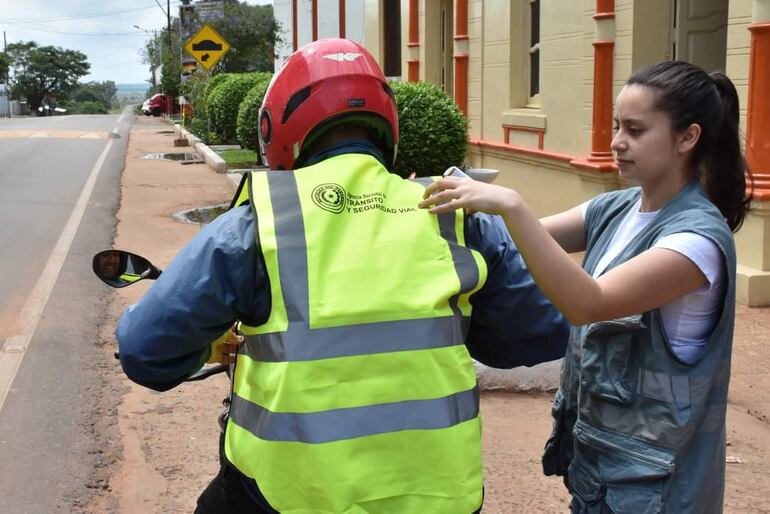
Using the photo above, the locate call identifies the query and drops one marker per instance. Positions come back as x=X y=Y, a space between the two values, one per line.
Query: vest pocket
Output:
x=617 y=472
x=605 y=356
x=585 y=485
x=555 y=459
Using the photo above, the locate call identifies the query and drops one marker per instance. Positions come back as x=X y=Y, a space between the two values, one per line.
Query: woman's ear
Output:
x=689 y=138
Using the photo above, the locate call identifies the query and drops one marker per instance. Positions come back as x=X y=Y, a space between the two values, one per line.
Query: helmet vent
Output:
x=389 y=91
x=294 y=102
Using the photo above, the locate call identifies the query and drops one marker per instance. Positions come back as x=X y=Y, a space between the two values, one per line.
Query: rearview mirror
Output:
x=118 y=268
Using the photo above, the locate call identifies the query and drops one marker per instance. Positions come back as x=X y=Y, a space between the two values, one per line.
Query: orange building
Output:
x=537 y=80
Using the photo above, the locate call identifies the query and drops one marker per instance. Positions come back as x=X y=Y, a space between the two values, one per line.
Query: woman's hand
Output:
x=450 y=193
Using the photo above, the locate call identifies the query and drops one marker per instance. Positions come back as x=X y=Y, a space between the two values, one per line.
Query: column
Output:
x=413 y=43
x=314 y=14
x=753 y=240
x=461 y=55
x=598 y=167
x=758 y=107
x=604 y=45
x=293 y=25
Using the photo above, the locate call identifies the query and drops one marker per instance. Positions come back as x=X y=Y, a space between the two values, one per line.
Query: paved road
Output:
x=50 y=303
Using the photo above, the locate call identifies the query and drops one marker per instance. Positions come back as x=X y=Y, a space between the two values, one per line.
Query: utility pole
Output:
x=168 y=30
x=7 y=81
x=159 y=56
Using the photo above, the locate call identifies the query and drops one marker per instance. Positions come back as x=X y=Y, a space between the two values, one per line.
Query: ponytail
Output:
x=688 y=95
x=725 y=172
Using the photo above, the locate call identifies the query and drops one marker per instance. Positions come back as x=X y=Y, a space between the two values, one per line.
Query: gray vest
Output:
x=635 y=429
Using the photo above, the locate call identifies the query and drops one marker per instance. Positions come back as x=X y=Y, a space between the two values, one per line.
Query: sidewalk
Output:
x=167 y=443
x=163 y=447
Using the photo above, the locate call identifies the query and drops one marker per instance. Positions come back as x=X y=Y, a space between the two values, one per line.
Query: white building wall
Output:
x=354 y=21
x=282 y=13
x=304 y=22
x=328 y=23
x=328 y=18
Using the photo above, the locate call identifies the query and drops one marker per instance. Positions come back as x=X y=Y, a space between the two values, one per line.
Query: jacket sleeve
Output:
x=215 y=280
x=512 y=323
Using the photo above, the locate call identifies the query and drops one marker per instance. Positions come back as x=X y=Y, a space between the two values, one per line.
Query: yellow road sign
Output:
x=207 y=46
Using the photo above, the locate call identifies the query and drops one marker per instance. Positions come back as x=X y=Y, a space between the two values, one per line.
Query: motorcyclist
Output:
x=354 y=390
x=117 y=268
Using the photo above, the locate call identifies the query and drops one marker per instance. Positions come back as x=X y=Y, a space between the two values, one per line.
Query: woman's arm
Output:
x=653 y=278
x=568 y=229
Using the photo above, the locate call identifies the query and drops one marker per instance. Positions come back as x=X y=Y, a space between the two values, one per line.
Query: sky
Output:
x=103 y=30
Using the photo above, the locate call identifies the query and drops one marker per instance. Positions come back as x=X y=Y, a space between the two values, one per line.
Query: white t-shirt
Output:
x=688 y=320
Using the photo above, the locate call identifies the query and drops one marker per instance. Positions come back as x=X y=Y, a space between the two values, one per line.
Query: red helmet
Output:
x=324 y=84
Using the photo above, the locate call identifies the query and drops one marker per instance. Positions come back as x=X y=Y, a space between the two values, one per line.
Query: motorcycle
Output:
x=119 y=268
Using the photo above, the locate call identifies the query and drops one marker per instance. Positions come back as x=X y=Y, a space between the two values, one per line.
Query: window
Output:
x=534 y=48
x=392 y=37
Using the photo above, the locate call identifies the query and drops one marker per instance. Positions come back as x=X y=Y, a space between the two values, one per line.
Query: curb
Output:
x=210 y=157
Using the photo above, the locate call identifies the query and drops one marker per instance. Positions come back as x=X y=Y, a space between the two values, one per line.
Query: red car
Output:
x=161 y=104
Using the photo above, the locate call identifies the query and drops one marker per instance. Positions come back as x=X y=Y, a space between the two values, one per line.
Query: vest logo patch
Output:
x=330 y=197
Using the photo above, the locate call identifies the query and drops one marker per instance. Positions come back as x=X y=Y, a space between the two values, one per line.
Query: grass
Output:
x=237 y=158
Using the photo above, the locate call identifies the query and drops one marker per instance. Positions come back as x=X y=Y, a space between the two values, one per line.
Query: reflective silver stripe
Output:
x=300 y=343
x=465 y=265
x=290 y=237
x=467 y=271
x=462 y=257
x=349 y=423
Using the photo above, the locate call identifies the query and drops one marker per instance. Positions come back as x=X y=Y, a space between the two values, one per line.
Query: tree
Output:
x=151 y=53
x=5 y=64
x=252 y=32
x=171 y=73
x=102 y=93
x=88 y=107
x=45 y=72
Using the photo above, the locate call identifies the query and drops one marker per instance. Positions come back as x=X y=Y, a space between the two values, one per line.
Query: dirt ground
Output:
x=161 y=448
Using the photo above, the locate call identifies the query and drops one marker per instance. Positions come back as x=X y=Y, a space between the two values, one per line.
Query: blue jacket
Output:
x=219 y=277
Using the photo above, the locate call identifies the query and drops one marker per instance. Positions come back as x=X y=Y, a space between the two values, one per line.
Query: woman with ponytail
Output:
x=639 y=418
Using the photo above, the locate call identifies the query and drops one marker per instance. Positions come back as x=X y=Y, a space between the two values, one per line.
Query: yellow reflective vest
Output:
x=130 y=277
x=358 y=394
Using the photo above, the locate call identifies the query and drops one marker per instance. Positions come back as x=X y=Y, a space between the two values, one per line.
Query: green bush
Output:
x=208 y=93
x=87 y=107
x=212 y=82
x=433 y=133
x=223 y=102
x=248 y=116
x=199 y=127
x=195 y=90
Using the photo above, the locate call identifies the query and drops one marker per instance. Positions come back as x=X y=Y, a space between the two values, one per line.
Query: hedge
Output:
x=212 y=83
x=433 y=133
x=248 y=115
x=223 y=101
x=210 y=93
x=195 y=90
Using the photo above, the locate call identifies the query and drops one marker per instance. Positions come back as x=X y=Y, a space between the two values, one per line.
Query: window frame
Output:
x=532 y=47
